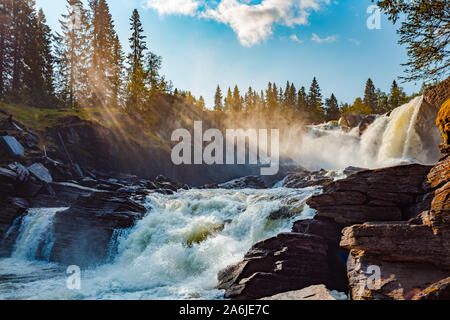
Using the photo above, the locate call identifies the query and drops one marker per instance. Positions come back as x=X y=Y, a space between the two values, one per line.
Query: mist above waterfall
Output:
x=407 y=135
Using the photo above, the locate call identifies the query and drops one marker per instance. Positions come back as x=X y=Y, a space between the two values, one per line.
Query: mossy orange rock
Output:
x=443 y=121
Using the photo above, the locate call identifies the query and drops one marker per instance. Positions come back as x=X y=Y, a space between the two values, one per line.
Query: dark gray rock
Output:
x=12 y=146
x=287 y=262
x=83 y=232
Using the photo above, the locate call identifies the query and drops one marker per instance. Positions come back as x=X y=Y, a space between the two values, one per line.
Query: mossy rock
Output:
x=443 y=121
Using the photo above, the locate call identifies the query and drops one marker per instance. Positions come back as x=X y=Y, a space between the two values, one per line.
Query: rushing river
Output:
x=178 y=248
x=175 y=252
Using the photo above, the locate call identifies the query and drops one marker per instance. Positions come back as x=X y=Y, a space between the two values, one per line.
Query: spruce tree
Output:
x=370 y=97
x=154 y=63
x=237 y=100
x=332 y=111
x=72 y=54
x=136 y=89
x=314 y=102
x=218 y=98
x=302 y=104
x=229 y=101
x=116 y=76
x=104 y=52
x=5 y=45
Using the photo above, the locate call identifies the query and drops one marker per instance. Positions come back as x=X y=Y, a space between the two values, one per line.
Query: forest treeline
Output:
x=310 y=105
x=84 y=65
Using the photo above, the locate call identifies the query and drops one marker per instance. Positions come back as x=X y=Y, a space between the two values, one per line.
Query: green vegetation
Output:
x=425 y=31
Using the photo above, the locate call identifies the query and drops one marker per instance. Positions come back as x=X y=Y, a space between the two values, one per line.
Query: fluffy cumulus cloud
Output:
x=251 y=21
x=183 y=7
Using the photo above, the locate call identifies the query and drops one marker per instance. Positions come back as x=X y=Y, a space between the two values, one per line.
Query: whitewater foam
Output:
x=175 y=251
x=390 y=140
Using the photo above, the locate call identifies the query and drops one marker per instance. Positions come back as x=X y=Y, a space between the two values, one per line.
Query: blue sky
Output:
x=246 y=42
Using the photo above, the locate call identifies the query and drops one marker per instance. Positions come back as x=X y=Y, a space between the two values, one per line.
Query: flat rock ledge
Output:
x=318 y=292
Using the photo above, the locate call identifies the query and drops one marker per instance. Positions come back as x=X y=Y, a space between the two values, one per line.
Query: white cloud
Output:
x=252 y=22
x=183 y=7
x=295 y=38
x=255 y=22
x=328 y=39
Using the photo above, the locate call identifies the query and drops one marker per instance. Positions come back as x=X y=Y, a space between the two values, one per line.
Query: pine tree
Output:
x=332 y=111
x=136 y=89
x=249 y=100
x=302 y=104
x=116 y=77
x=237 y=100
x=314 y=102
x=73 y=53
x=360 y=107
x=5 y=45
x=383 y=102
x=201 y=103
x=104 y=52
x=394 y=96
x=154 y=63
x=229 y=101
x=370 y=97
x=218 y=98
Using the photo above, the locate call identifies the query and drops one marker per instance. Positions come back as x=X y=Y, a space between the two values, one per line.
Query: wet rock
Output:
x=287 y=262
x=251 y=182
x=12 y=209
x=305 y=179
x=12 y=146
x=352 y=170
x=83 y=232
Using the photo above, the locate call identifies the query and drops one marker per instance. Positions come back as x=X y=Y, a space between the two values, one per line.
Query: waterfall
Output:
x=35 y=239
x=174 y=252
x=407 y=135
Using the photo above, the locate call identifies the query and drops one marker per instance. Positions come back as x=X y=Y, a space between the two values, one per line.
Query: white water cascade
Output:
x=175 y=251
x=35 y=237
x=408 y=135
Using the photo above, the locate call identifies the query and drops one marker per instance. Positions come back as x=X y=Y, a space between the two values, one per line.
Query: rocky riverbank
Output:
x=394 y=221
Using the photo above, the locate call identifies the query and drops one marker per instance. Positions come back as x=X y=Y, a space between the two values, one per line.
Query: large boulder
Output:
x=400 y=242
x=83 y=232
x=287 y=262
x=387 y=194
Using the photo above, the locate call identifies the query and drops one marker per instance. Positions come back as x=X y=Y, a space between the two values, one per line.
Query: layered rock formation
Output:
x=287 y=262
x=413 y=256
x=83 y=232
